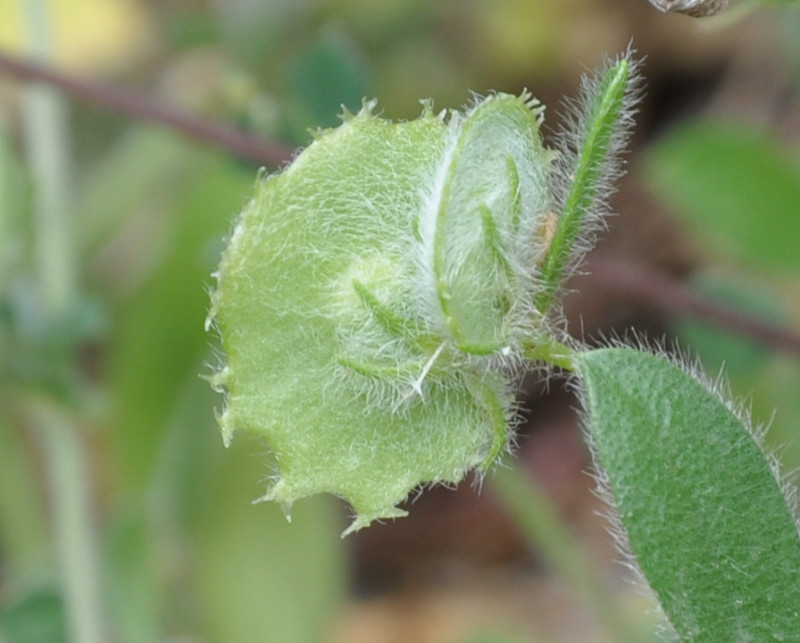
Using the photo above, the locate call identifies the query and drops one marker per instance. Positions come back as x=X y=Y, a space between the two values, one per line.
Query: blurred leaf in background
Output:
x=737 y=191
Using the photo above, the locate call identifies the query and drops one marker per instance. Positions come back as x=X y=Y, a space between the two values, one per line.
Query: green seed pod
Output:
x=374 y=297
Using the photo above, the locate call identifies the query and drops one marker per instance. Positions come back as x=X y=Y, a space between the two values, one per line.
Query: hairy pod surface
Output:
x=373 y=300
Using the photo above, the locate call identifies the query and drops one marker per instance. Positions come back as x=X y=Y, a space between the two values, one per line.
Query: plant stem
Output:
x=45 y=133
x=551 y=351
x=539 y=521
x=73 y=533
x=46 y=141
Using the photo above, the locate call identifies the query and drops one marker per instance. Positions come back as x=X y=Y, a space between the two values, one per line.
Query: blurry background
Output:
x=122 y=517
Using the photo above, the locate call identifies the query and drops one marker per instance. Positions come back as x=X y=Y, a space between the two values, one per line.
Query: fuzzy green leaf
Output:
x=706 y=519
x=373 y=296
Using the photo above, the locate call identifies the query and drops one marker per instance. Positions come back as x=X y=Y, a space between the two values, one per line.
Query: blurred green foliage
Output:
x=739 y=188
x=737 y=191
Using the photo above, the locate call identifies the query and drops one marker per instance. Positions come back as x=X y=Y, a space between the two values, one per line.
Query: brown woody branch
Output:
x=674 y=298
x=635 y=281
x=136 y=106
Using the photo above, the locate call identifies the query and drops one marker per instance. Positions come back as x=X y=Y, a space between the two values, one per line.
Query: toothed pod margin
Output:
x=373 y=299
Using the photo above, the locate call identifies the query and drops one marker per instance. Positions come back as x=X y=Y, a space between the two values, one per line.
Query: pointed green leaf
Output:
x=706 y=520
